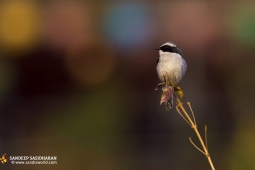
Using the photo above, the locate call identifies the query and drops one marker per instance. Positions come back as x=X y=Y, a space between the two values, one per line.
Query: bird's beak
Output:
x=157 y=48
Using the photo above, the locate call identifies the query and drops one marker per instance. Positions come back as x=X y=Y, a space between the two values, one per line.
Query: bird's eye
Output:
x=165 y=48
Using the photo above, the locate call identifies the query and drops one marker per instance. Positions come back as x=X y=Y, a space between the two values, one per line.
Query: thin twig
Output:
x=182 y=115
x=196 y=146
x=192 y=113
x=193 y=125
x=185 y=113
x=206 y=138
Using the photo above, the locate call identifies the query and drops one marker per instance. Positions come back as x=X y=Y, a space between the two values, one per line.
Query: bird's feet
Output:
x=159 y=85
x=165 y=82
x=176 y=88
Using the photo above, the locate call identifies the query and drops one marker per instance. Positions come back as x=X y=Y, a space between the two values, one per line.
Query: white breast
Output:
x=173 y=65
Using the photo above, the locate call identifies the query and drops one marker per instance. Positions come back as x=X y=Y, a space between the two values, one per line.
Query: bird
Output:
x=171 y=67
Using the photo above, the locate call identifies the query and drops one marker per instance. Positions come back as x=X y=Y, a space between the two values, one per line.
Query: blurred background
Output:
x=77 y=81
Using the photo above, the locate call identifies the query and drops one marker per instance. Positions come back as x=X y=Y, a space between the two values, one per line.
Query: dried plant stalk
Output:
x=193 y=125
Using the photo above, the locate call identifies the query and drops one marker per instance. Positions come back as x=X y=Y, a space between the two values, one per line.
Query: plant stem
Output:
x=194 y=126
x=204 y=147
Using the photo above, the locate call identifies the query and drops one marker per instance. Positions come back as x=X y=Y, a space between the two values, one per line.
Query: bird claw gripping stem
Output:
x=176 y=88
